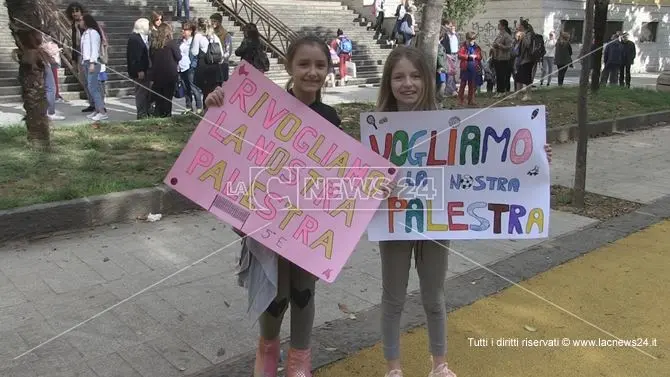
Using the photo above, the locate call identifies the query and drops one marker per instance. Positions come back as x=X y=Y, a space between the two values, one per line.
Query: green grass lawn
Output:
x=89 y=161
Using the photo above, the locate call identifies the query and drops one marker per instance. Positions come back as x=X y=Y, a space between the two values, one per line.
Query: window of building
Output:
x=611 y=28
x=648 y=31
x=575 y=28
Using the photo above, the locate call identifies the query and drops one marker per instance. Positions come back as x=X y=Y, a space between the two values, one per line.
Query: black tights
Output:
x=294 y=286
x=561 y=74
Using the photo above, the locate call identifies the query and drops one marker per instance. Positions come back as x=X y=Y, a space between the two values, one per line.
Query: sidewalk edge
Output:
x=64 y=216
x=71 y=215
x=345 y=337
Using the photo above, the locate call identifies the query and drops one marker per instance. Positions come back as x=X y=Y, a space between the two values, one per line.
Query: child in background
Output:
x=470 y=56
x=441 y=76
x=262 y=271
x=489 y=73
x=335 y=59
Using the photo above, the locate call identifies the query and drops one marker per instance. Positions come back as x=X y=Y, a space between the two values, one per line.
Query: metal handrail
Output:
x=275 y=34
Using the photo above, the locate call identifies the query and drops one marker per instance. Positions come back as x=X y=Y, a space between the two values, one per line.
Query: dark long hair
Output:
x=303 y=41
x=91 y=23
x=505 y=25
x=71 y=8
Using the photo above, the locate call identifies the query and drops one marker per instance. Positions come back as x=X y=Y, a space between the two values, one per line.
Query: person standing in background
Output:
x=502 y=58
x=186 y=6
x=563 y=56
x=138 y=64
x=226 y=43
x=629 y=53
x=548 y=58
x=400 y=12
x=187 y=69
x=75 y=12
x=379 y=22
x=450 y=44
x=613 y=58
x=165 y=57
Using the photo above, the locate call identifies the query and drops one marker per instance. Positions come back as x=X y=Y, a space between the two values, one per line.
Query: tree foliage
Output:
x=459 y=11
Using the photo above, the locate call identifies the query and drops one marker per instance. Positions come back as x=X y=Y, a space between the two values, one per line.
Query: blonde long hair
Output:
x=427 y=101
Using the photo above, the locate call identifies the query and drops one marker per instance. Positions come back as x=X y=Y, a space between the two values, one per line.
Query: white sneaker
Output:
x=92 y=115
x=100 y=116
x=394 y=373
x=55 y=117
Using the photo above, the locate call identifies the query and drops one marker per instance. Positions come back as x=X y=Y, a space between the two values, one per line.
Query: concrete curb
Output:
x=118 y=207
x=42 y=219
x=350 y=336
x=610 y=126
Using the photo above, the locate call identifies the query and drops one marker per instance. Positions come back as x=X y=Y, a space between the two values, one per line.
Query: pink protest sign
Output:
x=270 y=166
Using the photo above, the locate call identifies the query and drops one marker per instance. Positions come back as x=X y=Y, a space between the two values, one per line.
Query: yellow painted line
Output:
x=623 y=288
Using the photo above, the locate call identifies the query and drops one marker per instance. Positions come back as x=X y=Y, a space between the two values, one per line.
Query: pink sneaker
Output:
x=442 y=371
x=299 y=363
x=267 y=358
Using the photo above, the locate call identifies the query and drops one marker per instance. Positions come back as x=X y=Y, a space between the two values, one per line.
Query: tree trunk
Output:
x=599 y=27
x=579 y=189
x=27 y=20
x=431 y=22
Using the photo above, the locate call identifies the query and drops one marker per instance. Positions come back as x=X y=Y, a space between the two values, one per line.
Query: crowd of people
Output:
x=190 y=67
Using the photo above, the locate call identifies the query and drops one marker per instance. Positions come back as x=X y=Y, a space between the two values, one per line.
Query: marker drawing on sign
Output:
x=371 y=121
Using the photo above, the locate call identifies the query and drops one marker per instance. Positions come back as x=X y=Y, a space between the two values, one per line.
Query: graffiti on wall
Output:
x=487 y=32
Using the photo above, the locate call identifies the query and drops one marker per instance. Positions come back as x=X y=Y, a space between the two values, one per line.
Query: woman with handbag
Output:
x=407 y=26
x=165 y=56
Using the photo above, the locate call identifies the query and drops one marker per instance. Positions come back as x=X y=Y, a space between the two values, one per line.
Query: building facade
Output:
x=647 y=24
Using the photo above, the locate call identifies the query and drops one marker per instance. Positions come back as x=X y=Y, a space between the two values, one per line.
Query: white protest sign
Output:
x=465 y=174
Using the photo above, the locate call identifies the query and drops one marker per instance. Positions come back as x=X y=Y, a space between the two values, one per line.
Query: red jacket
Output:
x=463 y=56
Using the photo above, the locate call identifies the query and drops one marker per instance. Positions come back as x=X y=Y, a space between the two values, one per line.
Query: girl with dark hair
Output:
x=526 y=64
x=261 y=270
x=502 y=56
x=75 y=12
x=91 y=60
x=251 y=49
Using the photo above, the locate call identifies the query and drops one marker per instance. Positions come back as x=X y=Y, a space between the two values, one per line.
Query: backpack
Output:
x=537 y=49
x=261 y=61
x=214 y=53
x=345 y=45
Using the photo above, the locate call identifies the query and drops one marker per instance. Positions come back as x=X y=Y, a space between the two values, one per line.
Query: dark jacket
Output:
x=563 y=55
x=76 y=39
x=137 y=56
x=614 y=53
x=629 y=52
x=165 y=63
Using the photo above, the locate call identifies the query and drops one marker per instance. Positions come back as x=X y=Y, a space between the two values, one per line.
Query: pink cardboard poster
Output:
x=270 y=166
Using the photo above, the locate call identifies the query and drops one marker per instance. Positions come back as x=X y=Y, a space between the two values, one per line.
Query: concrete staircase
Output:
x=118 y=17
x=302 y=16
x=323 y=18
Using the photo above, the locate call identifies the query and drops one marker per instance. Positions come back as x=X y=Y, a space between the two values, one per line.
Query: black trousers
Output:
x=379 y=23
x=503 y=70
x=624 y=70
x=561 y=74
x=163 y=93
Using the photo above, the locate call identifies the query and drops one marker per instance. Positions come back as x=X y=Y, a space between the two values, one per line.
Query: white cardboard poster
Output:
x=464 y=174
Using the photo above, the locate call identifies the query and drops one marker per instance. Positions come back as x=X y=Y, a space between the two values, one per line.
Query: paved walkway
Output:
x=512 y=333
x=122 y=109
x=196 y=319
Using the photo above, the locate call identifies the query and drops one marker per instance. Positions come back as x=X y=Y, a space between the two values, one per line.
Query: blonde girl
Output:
x=308 y=63
x=408 y=84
